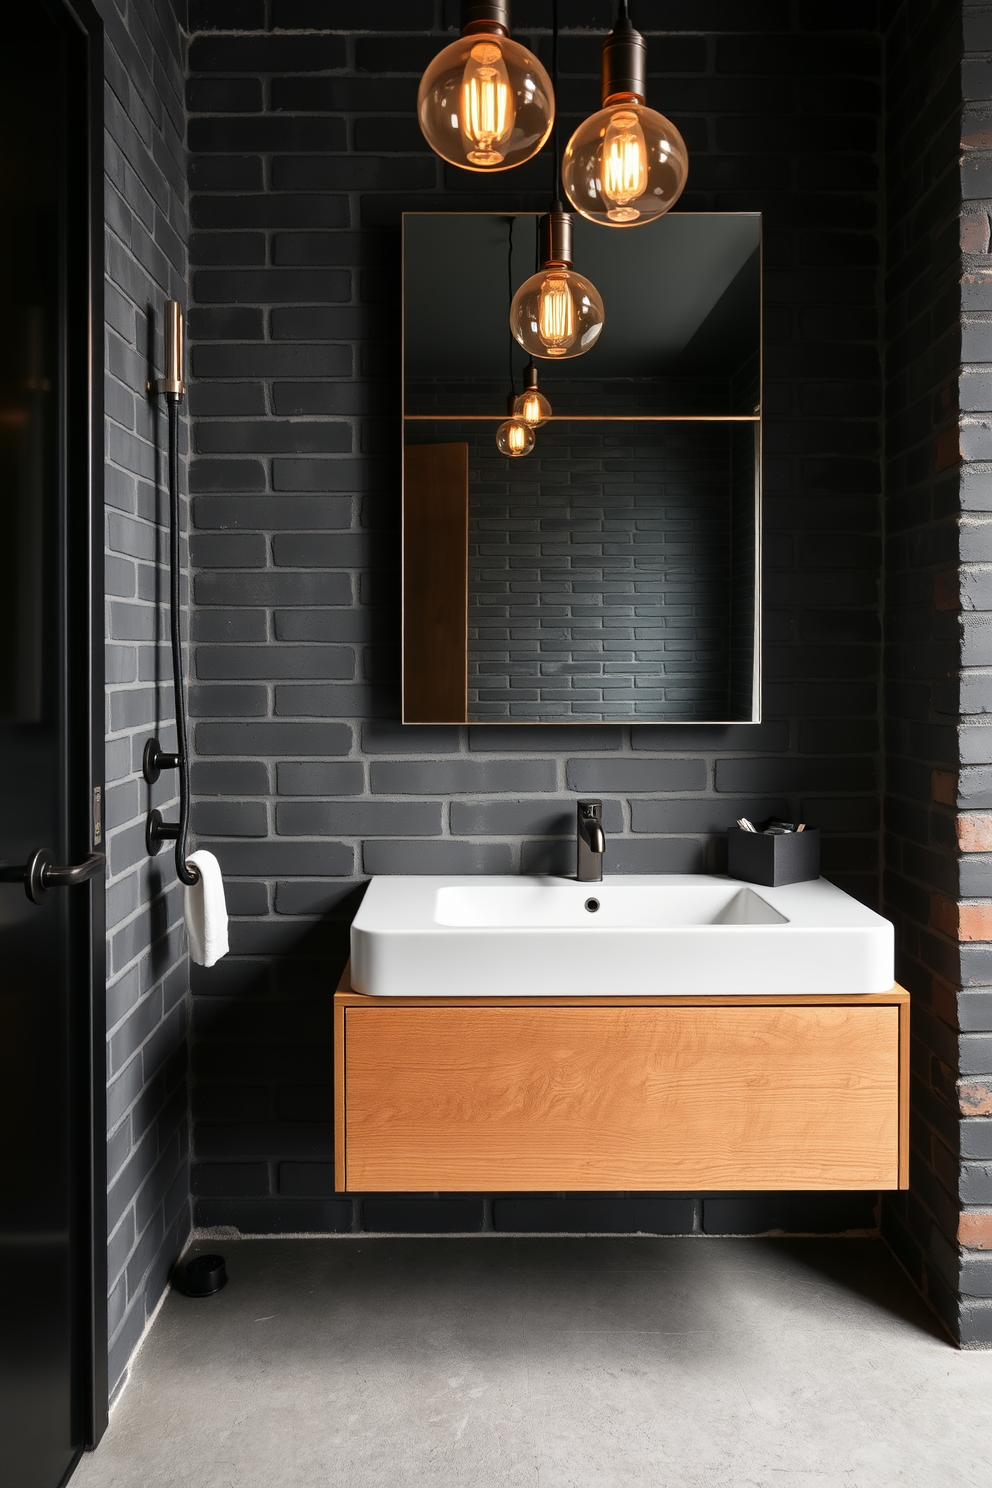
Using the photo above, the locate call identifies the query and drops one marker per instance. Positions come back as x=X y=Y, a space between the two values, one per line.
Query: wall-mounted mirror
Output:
x=611 y=574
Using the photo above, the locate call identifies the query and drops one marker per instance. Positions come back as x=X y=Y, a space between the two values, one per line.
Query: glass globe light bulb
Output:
x=485 y=102
x=515 y=438
x=533 y=407
x=556 y=313
x=625 y=165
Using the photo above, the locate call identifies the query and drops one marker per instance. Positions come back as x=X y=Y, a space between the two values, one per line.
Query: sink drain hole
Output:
x=592 y=905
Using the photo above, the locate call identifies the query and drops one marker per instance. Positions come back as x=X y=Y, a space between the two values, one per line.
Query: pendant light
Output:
x=626 y=164
x=485 y=102
x=532 y=406
x=556 y=313
x=514 y=437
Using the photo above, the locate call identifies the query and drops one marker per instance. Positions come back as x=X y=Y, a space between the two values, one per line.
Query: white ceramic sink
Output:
x=688 y=934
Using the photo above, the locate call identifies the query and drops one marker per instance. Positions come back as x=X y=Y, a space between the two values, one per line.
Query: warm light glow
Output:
x=625 y=166
x=556 y=315
x=514 y=438
x=533 y=407
x=487 y=104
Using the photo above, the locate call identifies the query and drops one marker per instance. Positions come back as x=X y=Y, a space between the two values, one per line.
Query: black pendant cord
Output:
x=555 y=158
x=509 y=286
x=184 y=874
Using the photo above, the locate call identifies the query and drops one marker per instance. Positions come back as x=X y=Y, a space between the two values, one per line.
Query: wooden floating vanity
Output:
x=661 y=1093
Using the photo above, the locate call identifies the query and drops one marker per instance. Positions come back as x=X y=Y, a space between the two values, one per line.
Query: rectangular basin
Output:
x=675 y=934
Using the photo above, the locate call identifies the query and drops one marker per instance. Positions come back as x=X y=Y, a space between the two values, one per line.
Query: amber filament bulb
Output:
x=625 y=166
x=556 y=315
x=488 y=114
x=530 y=410
x=514 y=438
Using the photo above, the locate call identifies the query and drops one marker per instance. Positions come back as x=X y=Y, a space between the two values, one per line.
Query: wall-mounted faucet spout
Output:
x=590 y=842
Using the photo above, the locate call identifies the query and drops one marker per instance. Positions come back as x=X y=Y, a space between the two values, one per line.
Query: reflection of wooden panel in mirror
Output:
x=435 y=584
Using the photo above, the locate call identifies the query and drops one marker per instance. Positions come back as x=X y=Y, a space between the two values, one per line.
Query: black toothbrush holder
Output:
x=773 y=858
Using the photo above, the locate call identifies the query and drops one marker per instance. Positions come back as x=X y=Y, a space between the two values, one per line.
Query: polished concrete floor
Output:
x=501 y=1362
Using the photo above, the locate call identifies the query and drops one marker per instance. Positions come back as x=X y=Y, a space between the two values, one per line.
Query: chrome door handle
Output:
x=41 y=873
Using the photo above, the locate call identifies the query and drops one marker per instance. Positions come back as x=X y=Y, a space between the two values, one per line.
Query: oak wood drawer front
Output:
x=600 y=1097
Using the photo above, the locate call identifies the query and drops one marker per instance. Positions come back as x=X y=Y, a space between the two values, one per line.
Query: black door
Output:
x=52 y=1231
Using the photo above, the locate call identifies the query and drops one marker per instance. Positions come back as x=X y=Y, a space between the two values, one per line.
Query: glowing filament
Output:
x=487 y=104
x=625 y=166
x=555 y=315
x=530 y=408
x=516 y=438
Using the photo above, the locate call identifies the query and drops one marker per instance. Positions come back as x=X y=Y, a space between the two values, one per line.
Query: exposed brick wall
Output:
x=147 y=993
x=937 y=688
x=305 y=150
x=973 y=1022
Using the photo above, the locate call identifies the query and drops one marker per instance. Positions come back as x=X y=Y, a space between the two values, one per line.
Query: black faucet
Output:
x=590 y=842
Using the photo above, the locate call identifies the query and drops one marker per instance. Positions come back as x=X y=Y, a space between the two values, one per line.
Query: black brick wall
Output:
x=148 y=982
x=304 y=153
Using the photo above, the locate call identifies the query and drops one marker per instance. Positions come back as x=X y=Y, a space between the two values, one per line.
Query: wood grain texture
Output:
x=621 y=1095
x=435 y=583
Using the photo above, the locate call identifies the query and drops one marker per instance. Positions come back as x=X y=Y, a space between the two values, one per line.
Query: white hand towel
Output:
x=206 y=910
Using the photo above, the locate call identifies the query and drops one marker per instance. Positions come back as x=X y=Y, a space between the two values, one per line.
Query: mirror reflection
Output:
x=609 y=570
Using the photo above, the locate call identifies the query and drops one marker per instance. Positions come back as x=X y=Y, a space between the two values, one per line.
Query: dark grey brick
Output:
x=231 y=818
x=358 y=818
x=796 y=1214
x=275 y=661
x=303 y=898
x=232 y=778
x=610 y=1216
x=403 y=1216
x=248 y=740
x=284 y=859
x=636 y=775
x=462 y=777
x=268 y=513
x=320 y=588
x=320 y=779
x=705 y=815
x=544 y=816
x=544 y=739
x=435 y=857
x=385 y=737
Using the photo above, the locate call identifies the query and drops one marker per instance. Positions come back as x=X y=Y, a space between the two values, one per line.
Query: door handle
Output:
x=41 y=873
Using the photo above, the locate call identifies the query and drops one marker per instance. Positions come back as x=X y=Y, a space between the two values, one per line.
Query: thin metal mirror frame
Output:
x=497 y=418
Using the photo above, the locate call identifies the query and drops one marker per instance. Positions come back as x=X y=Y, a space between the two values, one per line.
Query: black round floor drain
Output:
x=204 y=1275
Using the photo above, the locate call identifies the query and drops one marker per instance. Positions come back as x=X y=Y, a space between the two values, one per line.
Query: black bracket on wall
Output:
x=155 y=760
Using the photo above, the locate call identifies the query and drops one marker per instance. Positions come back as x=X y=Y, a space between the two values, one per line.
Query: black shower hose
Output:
x=186 y=875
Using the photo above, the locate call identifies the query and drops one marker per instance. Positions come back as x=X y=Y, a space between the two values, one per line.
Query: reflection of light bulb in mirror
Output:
x=485 y=102
x=532 y=406
x=487 y=106
x=556 y=312
x=626 y=164
x=514 y=438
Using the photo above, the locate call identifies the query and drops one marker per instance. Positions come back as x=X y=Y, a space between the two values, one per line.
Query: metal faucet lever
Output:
x=590 y=842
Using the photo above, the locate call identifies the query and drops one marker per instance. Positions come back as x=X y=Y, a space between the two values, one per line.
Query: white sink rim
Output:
x=819 y=941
